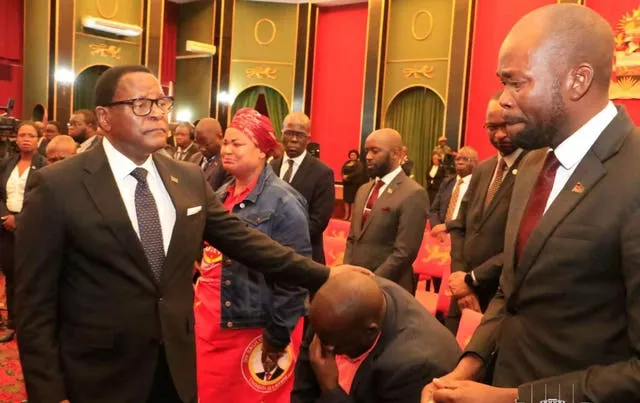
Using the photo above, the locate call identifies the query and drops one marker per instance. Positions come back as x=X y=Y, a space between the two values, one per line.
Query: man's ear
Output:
x=579 y=81
x=104 y=118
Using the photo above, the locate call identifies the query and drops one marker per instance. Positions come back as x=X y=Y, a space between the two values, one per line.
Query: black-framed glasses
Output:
x=143 y=106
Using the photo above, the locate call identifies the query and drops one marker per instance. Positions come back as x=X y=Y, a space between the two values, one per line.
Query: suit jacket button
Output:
x=227 y=304
x=227 y=282
x=241 y=205
x=229 y=324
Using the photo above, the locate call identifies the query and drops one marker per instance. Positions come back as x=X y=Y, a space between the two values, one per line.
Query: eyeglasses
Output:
x=293 y=133
x=143 y=106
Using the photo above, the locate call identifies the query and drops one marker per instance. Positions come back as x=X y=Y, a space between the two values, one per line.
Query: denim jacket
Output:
x=248 y=300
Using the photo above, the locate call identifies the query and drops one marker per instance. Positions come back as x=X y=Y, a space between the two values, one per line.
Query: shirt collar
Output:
x=181 y=150
x=511 y=158
x=297 y=160
x=122 y=166
x=388 y=178
x=466 y=179
x=571 y=151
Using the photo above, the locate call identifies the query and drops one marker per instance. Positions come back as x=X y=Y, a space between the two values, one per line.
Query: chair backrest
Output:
x=337 y=229
x=334 y=249
x=468 y=324
x=434 y=257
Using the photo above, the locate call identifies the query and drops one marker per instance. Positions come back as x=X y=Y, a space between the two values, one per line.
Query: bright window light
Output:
x=225 y=98
x=184 y=115
x=65 y=76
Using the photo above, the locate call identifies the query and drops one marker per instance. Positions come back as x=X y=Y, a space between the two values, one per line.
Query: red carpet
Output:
x=11 y=382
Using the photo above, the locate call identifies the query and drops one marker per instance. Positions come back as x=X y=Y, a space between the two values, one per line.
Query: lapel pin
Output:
x=578 y=188
x=514 y=172
x=174 y=179
x=389 y=191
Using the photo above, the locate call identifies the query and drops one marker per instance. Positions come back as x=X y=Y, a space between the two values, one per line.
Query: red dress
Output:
x=228 y=361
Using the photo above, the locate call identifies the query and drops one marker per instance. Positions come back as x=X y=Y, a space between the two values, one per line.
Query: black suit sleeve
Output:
x=256 y=250
x=37 y=273
x=617 y=382
x=484 y=341
x=457 y=228
x=321 y=204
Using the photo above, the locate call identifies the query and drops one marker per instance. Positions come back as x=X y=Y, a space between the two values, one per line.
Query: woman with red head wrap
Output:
x=248 y=331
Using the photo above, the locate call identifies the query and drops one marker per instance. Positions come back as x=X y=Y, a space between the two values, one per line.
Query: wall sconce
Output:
x=225 y=97
x=65 y=77
x=200 y=47
x=184 y=115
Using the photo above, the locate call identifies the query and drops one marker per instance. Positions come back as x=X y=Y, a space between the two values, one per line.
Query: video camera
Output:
x=8 y=124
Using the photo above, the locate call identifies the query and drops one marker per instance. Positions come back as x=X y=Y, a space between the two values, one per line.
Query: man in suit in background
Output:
x=477 y=235
x=308 y=175
x=389 y=214
x=446 y=205
x=106 y=303
x=208 y=140
x=83 y=127
x=565 y=323
x=184 y=135
x=373 y=342
x=60 y=148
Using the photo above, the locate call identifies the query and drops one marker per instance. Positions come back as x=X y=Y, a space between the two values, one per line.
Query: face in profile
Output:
x=496 y=129
x=532 y=98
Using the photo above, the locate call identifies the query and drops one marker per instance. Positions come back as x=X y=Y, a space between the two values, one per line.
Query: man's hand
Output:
x=438 y=229
x=470 y=302
x=470 y=392
x=9 y=222
x=270 y=355
x=469 y=367
x=457 y=285
x=323 y=362
x=343 y=268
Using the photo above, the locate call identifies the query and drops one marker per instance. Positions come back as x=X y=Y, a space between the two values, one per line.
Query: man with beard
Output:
x=477 y=235
x=389 y=214
x=565 y=323
x=208 y=139
x=83 y=126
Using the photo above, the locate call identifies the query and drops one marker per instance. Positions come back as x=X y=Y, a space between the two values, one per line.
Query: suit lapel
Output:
x=505 y=187
x=104 y=192
x=174 y=185
x=587 y=174
x=382 y=198
x=484 y=183
x=358 y=207
x=277 y=165
x=302 y=171
x=522 y=189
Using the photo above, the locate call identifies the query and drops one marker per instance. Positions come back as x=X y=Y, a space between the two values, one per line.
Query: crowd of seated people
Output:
x=498 y=280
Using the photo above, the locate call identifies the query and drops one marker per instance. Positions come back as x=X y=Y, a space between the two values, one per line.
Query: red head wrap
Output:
x=257 y=127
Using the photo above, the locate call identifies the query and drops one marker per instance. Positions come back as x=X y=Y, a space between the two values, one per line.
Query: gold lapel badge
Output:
x=514 y=172
x=578 y=188
x=174 y=179
x=389 y=191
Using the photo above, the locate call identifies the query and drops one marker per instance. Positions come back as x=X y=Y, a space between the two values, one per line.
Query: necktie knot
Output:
x=460 y=182
x=290 y=162
x=378 y=185
x=140 y=174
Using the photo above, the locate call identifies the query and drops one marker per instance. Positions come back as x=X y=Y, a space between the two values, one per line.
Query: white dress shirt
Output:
x=121 y=166
x=509 y=160
x=296 y=164
x=387 y=179
x=571 y=151
x=463 y=189
x=15 y=189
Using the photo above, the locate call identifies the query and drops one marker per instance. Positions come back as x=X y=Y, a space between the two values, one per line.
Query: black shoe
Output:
x=7 y=336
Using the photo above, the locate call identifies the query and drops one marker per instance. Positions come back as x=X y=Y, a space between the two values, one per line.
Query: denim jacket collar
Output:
x=264 y=177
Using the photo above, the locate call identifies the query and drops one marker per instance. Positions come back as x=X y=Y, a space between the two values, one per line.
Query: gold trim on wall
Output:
x=161 y=47
x=273 y=34
x=73 y=58
x=315 y=50
x=48 y=62
x=219 y=51
x=465 y=80
x=400 y=91
x=446 y=88
x=380 y=68
x=105 y=15
x=261 y=62
x=233 y=23
x=384 y=64
x=261 y=72
x=413 y=24
x=55 y=63
x=426 y=59
x=260 y=84
x=425 y=71
x=364 y=76
x=295 y=55
x=104 y=38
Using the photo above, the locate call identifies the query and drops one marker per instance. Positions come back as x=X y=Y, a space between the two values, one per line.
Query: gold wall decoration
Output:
x=626 y=69
x=414 y=23
x=105 y=50
x=425 y=71
x=256 y=27
x=262 y=72
x=101 y=10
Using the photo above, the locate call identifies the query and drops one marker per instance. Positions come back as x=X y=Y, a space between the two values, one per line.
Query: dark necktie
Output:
x=149 y=223
x=497 y=182
x=287 y=175
x=373 y=198
x=453 y=201
x=538 y=200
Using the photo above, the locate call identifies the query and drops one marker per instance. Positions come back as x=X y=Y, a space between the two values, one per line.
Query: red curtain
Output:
x=169 y=42
x=11 y=26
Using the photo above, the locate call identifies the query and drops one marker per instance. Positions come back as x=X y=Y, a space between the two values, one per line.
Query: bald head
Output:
x=296 y=129
x=555 y=65
x=383 y=151
x=347 y=313
x=60 y=147
x=208 y=136
x=559 y=32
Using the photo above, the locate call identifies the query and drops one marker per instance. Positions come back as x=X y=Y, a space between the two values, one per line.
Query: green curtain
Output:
x=84 y=87
x=246 y=99
x=418 y=114
x=277 y=108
